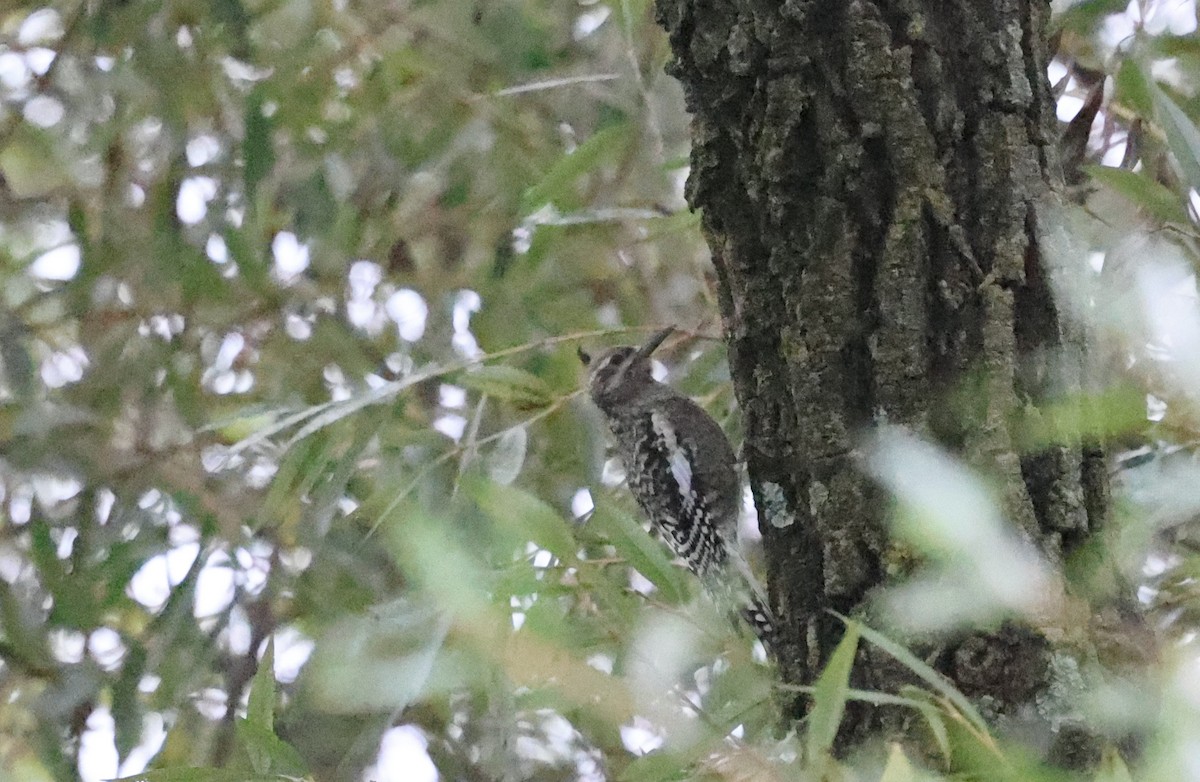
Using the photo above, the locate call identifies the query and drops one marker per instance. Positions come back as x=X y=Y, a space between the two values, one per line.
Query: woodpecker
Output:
x=681 y=470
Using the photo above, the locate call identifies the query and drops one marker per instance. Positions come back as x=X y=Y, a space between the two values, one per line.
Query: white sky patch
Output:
x=152 y=584
x=748 y=530
x=292 y=650
x=64 y=367
x=452 y=397
x=20 y=504
x=106 y=647
x=67 y=645
x=408 y=309
x=194 y=194
x=202 y=149
x=97 y=747
x=601 y=662
x=361 y=309
x=214 y=586
x=14 y=73
x=51 y=488
x=298 y=326
x=216 y=249
x=39 y=58
x=1068 y=107
x=581 y=503
x=44 y=111
x=1177 y=17
x=41 y=26
x=640 y=584
x=1168 y=291
x=363 y=277
x=465 y=303
x=640 y=737
x=452 y=426
x=589 y=22
x=154 y=733
x=403 y=757
x=541 y=557
x=291 y=256
x=61 y=263
x=1156 y=409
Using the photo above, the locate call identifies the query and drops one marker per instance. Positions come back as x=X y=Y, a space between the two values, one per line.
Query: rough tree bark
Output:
x=870 y=174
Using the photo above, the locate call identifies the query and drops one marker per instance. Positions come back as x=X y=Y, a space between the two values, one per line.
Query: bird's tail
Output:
x=752 y=600
x=758 y=615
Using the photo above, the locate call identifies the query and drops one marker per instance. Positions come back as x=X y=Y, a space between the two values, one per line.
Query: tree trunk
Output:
x=870 y=174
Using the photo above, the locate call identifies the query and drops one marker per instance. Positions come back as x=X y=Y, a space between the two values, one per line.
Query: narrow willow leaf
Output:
x=268 y=753
x=921 y=669
x=258 y=151
x=656 y=767
x=377 y=662
x=526 y=514
x=198 y=775
x=508 y=456
x=260 y=710
x=1183 y=137
x=30 y=164
x=1112 y=768
x=898 y=769
x=509 y=384
x=556 y=186
x=1142 y=191
x=830 y=694
x=636 y=546
x=1133 y=89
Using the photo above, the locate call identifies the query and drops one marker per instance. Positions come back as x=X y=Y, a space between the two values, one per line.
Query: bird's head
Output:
x=620 y=375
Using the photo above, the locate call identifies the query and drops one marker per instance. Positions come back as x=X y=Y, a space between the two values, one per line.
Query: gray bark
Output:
x=870 y=174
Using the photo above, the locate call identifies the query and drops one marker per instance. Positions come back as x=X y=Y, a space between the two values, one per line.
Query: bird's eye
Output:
x=584 y=356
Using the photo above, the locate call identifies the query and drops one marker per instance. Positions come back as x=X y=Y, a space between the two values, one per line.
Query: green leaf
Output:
x=268 y=753
x=127 y=708
x=656 y=767
x=557 y=186
x=199 y=775
x=17 y=368
x=1134 y=89
x=30 y=164
x=507 y=456
x=641 y=550
x=258 y=151
x=528 y=516
x=378 y=662
x=74 y=605
x=509 y=384
x=898 y=769
x=1183 y=138
x=830 y=694
x=939 y=682
x=1112 y=768
x=1153 y=197
x=260 y=711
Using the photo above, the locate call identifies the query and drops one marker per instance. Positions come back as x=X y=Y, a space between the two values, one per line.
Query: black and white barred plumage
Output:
x=682 y=471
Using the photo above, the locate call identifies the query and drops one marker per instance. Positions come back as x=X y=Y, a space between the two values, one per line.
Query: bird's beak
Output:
x=655 y=340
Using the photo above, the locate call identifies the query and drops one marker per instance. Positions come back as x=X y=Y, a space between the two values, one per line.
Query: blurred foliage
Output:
x=293 y=465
